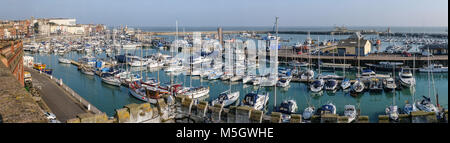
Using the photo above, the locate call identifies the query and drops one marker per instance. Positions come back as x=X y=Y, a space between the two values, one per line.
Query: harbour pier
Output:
x=285 y=55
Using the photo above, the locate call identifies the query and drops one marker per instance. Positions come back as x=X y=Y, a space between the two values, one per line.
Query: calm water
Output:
x=107 y=98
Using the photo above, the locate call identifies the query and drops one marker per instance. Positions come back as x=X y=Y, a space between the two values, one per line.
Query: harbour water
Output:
x=107 y=98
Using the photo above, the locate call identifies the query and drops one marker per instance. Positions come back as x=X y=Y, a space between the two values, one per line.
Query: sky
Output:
x=421 y=13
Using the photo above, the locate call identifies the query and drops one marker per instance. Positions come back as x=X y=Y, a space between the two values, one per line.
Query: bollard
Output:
x=89 y=107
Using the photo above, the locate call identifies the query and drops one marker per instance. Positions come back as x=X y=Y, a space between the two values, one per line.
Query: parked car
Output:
x=50 y=116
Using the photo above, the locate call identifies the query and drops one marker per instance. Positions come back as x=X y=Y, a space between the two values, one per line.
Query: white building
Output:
x=64 y=21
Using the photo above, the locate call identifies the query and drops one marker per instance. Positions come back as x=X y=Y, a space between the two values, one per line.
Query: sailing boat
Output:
x=309 y=73
x=425 y=104
x=319 y=83
x=358 y=86
x=392 y=110
x=345 y=82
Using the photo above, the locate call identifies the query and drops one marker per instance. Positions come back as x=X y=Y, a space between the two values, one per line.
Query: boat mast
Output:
x=276 y=62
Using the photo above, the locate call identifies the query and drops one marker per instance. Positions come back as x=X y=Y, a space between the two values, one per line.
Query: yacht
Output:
x=226 y=98
x=307 y=75
x=317 y=85
x=392 y=112
x=435 y=68
x=358 y=86
x=195 y=92
x=248 y=79
x=406 y=78
x=215 y=75
x=64 y=61
x=87 y=71
x=111 y=80
x=330 y=107
x=236 y=78
x=331 y=84
x=284 y=81
x=287 y=108
x=366 y=74
x=345 y=84
x=375 y=85
x=256 y=101
x=268 y=81
x=350 y=112
x=308 y=113
x=389 y=84
x=426 y=105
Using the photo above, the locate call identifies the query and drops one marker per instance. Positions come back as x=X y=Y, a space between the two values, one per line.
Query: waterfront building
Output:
x=435 y=49
x=349 y=46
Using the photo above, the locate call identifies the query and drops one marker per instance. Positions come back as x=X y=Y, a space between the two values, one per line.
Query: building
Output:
x=11 y=56
x=63 y=21
x=349 y=46
x=435 y=49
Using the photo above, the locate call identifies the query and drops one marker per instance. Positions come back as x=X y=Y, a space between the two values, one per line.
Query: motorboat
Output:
x=111 y=80
x=389 y=84
x=226 y=98
x=434 y=68
x=64 y=61
x=331 y=84
x=406 y=78
x=215 y=75
x=248 y=79
x=307 y=75
x=350 y=112
x=345 y=84
x=328 y=108
x=392 y=112
x=367 y=73
x=268 y=81
x=375 y=85
x=317 y=85
x=256 y=101
x=236 y=78
x=287 y=108
x=87 y=71
x=284 y=81
x=195 y=92
x=426 y=105
x=358 y=86
x=308 y=113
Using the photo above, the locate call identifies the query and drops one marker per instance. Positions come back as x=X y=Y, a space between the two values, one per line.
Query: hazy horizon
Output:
x=247 y=13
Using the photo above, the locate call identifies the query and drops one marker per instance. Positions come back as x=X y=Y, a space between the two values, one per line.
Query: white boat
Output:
x=392 y=112
x=64 y=61
x=284 y=81
x=358 y=86
x=345 y=84
x=268 y=81
x=308 y=112
x=317 y=85
x=389 y=84
x=226 y=76
x=287 y=108
x=215 y=75
x=331 y=84
x=330 y=107
x=307 y=75
x=137 y=63
x=435 y=68
x=426 y=105
x=406 y=78
x=87 y=71
x=236 y=78
x=130 y=46
x=111 y=80
x=366 y=74
x=256 y=101
x=248 y=79
x=195 y=92
x=226 y=98
x=350 y=112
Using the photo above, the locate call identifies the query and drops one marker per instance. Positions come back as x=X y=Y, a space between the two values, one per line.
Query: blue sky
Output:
x=235 y=12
